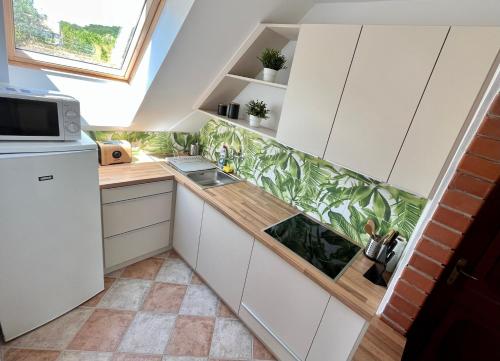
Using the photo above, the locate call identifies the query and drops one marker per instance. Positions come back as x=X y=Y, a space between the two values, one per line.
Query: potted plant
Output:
x=257 y=110
x=272 y=60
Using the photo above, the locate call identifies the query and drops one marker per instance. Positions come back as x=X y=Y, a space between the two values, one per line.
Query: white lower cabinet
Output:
x=283 y=302
x=223 y=256
x=338 y=333
x=187 y=224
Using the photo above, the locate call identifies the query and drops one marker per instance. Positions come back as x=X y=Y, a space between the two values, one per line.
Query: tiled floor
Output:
x=154 y=310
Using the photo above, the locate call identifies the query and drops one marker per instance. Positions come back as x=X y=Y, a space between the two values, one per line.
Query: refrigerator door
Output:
x=50 y=237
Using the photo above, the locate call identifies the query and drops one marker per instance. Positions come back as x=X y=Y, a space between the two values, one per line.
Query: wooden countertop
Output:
x=119 y=175
x=254 y=210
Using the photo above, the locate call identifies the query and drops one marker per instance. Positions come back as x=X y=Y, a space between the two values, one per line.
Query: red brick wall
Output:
x=477 y=172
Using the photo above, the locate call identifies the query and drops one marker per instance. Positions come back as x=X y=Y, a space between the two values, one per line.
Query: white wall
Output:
x=212 y=33
x=409 y=12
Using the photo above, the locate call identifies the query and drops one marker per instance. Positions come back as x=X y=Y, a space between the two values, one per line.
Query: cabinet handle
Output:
x=276 y=337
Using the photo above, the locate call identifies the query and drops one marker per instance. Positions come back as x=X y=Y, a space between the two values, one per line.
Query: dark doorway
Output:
x=460 y=319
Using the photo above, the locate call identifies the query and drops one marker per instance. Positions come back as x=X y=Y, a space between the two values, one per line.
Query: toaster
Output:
x=114 y=151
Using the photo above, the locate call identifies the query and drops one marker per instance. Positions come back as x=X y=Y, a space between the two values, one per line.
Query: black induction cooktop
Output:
x=321 y=247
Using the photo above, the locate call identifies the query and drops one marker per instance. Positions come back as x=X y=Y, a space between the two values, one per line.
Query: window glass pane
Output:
x=92 y=31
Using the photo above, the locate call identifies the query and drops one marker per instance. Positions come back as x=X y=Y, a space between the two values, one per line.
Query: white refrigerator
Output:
x=50 y=231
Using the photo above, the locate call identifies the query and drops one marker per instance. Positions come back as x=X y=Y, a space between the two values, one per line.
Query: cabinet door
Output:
x=338 y=333
x=223 y=256
x=318 y=74
x=284 y=300
x=187 y=223
x=462 y=68
x=388 y=75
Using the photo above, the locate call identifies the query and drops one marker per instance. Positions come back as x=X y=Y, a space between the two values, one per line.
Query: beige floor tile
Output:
x=199 y=301
x=103 y=331
x=108 y=281
x=146 y=269
x=56 y=334
x=115 y=274
x=148 y=333
x=136 y=357
x=191 y=337
x=231 y=340
x=165 y=297
x=126 y=294
x=185 y=358
x=15 y=354
x=224 y=311
x=260 y=352
x=174 y=270
x=85 y=356
x=196 y=280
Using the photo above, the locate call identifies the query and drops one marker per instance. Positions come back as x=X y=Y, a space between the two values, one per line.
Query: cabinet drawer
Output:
x=124 y=216
x=139 y=190
x=130 y=245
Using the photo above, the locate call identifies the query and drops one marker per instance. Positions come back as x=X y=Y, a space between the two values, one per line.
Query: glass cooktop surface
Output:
x=321 y=247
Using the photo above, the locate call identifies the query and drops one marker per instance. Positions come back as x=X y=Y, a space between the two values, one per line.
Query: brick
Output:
x=397 y=317
x=471 y=185
x=485 y=147
x=410 y=293
x=418 y=280
x=434 y=251
x=404 y=306
x=490 y=127
x=443 y=235
x=495 y=106
x=480 y=167
x=426 y=265
x=452 y=219
x=393 y=325
x=462 y=202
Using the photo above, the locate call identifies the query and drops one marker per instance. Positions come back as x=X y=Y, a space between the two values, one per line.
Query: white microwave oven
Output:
x=38 y=115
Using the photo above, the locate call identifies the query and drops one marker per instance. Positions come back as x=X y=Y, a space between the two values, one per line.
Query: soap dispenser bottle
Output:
x=222 y=157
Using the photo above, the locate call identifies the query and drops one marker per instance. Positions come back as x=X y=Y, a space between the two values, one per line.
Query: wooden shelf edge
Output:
x=266 y=132
x=257 y=81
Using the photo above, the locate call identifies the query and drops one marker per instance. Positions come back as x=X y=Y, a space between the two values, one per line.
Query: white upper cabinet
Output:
x=187 y=224
x=387 y=78
x=320 y=66
x=462 y=68
x=223 y=256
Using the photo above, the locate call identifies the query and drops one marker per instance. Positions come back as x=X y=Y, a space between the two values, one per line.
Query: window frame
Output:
x=21 y=57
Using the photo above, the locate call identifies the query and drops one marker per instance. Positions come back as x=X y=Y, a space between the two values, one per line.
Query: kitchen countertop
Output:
x=119 y=175
x=254 y=210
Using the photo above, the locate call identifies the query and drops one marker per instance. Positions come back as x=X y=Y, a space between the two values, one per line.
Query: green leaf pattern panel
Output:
x=335 y=196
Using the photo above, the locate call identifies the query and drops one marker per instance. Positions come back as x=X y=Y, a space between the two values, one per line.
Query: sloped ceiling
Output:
x=210 y=35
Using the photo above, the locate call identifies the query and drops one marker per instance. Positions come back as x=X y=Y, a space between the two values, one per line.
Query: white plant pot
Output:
x=254 y=120
x=269 y=75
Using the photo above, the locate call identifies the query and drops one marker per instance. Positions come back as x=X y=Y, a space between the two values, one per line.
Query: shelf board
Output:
x=270 y=133
x=256 y=81
x=288 y=31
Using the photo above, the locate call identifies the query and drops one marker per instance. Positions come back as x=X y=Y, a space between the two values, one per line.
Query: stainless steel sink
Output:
x=211 y=178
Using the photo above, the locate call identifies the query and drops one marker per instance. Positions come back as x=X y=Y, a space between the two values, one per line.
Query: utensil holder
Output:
x=372 y=249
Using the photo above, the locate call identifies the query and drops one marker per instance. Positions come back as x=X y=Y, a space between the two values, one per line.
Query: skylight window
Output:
x=96 y=37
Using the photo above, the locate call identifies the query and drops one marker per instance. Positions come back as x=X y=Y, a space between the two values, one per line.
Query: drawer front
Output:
x=139 y=190
x=130 y=245
x=124 y=216
x=286 y=301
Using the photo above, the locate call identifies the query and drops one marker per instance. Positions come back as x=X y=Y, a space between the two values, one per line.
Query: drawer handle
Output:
x=276 y=337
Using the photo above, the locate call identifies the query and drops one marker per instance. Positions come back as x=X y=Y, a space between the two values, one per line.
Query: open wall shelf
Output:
x=241 y=79
x=270 y=133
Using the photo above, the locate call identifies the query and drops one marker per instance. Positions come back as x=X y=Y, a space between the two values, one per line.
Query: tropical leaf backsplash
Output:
x=343 y=199
x=338 y=197
x=159 y=144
